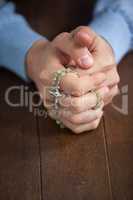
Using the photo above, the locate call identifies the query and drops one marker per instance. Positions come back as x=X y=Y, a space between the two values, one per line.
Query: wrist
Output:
x=33 y=55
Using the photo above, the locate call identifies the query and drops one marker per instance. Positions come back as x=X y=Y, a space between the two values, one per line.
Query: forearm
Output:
x=115 y=24
x=16 y=38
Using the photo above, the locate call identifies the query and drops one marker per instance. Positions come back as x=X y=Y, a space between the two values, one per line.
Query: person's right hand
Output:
x=103 y=57
x=44 y=59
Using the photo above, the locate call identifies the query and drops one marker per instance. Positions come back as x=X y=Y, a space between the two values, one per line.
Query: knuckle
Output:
x=116 y=91
x=61 y=36
x=76 y=130
x=77 y=93
x=117 y=78
x=77 y=89
x=74 y=86
x=83 y=28
x=77 y=108
x=64 y=34
x=74 y=120
x=44 y=77
x=95 y=125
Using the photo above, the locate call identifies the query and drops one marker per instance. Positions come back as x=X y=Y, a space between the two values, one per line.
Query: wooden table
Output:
x=38 y=161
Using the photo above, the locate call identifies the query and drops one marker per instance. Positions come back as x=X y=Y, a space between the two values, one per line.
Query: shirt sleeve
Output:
x=115 y=24
x=16 y=37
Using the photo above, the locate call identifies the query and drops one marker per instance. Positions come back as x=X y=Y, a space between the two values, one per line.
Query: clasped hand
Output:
x=93 y=59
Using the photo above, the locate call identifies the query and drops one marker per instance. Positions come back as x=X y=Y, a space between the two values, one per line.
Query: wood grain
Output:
x=19 y=148
x=73 y=167
x=119 y=135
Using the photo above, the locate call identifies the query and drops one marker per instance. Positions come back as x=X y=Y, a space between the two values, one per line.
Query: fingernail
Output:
x=86 y=61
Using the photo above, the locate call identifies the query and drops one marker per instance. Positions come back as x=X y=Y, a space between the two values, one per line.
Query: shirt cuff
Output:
x=114 y=28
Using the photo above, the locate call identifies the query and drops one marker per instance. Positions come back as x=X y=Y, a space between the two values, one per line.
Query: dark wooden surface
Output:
x=38 y=161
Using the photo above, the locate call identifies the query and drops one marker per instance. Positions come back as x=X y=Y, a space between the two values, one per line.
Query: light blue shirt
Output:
x=113 y=19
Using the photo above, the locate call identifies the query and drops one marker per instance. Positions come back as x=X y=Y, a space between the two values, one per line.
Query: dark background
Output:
x=57 y=15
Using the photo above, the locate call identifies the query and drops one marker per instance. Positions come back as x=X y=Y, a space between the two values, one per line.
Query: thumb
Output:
x=85 y=37
x=66 y=44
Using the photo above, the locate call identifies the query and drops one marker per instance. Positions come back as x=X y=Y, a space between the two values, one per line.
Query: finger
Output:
x=84 y=36
x=73 y=85
x=52 y=114
x=83 y=103
x=114 y=91
x=72 y=63
x=81 y=128
x=66 y=44
x=77 y=86
x=81 y=118
x=48 y=103
x=99 y=48
x=113 y=77
x=47 y=75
